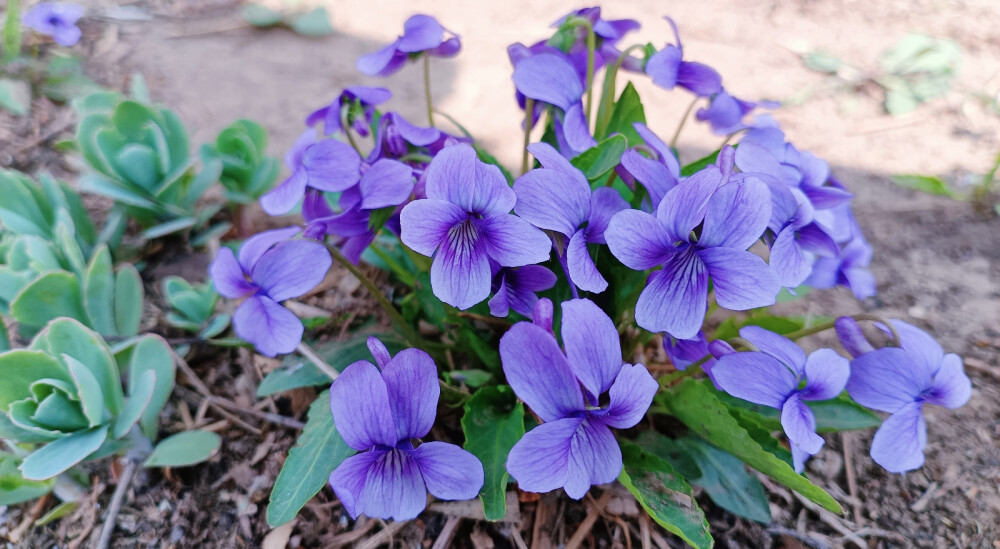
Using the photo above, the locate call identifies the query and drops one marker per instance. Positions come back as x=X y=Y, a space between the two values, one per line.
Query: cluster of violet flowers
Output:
x=759 y=217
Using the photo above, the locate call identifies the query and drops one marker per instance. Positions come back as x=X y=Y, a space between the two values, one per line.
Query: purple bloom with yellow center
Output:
x=574 y=448
x=557 y=197
x=668 y=69
x=379 y=411
x=360 y=102
x=779 y=375
x=900 y=380
x=57 y=20
x=732 y=213
x=271 y=267
x=422 y=34
x=464 y=223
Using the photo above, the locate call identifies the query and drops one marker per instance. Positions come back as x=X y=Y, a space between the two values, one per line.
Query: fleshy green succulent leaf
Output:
x=151 y=353
x=315 y=22
x=168 y=227
x=99 y=292
x=128 y=300
x=20 y=368
x=14 y=488
x=20 y=208
x=88 y=390
x=261 y=16
x=140 y=394
x=58 y=456
x=215 y=326
x=493 y=422
x=65 y=336
x=138 y=164
x=26 y=434
x=183 y=449
x=54 y=294
x=665 y=495
x=317 y=452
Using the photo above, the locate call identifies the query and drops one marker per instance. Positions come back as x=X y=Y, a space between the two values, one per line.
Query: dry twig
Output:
x=589 y=520
x=117 y=499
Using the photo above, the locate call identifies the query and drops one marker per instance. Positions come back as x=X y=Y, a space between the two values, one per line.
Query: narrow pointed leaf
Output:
x=128 y=300
x=317 y=452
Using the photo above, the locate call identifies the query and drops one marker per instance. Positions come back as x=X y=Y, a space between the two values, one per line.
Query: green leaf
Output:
x=20 y=368
x=128 y=300
x=99 y=292
x=838 y=414
x=730 y=327
x=215 y=326
x=12 y=30
x=665 y=495
x=315 y=22
x=66 y=336
x=694 y=404
x=493 y=422
x=628 y=110
x=924 y=183
x=52 y=295
x=15 y=96
x=260 y=16
x=168 y=227
x=297 y=372
x=725 y=479
x=597 y=161
x=151 y=353
x=317 y=452
x=58 y=456
x=58 y=512
x=138 y=400
x=88 y=390
x=821 y=61
x=4 y=337
x=137 y=88
x=14 y=488
x=184 y=449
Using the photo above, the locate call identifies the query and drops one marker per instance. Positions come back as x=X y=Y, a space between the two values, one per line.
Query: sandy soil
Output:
x=937 y=262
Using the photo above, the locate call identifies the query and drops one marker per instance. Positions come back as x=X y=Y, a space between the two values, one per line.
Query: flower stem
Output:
x=604 y=110
x=687 y=114
x=427 y=90
x=591 y=47
x=347 y=131
x=409 y=334
x=529 y=122
x=824 y=326
x=311 y=355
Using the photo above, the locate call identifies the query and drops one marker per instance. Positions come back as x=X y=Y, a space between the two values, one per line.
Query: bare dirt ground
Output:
x=937 y=262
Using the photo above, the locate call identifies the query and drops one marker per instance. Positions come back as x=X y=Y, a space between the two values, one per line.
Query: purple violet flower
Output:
x=464 y=222
x=658 y=175
x=328 y=165
x=574 y=448
x=900 y=380
x=557 y=197
x=798 y=239
x=360 y=102
x=607 y=32
x=849 y=268
x=57 y=20
x=732 y=213
x=422 y=34
x=773 y=376
x=668 y=69
x=271 y=268
x=515 y=288
x=379 y=413
x=551 y=78
x=396 y=135
x=385 y=184
x=725 y=113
